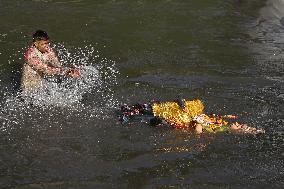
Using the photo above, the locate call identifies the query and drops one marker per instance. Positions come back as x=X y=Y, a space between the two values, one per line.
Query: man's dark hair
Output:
x=40 y=35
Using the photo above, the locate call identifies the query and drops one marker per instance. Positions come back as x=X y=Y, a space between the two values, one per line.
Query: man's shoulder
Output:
x=30 y=51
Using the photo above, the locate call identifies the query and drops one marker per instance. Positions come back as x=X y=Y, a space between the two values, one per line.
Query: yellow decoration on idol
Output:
x=176 y=115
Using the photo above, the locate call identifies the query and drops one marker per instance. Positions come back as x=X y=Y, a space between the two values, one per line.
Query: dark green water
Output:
x=227 y=53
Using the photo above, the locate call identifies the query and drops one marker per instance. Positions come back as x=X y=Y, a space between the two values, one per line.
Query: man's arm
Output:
x=41 y=67
x=53 y=58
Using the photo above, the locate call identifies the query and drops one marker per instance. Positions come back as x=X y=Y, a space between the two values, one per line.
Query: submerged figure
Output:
x=42 y=62
x=183 y=114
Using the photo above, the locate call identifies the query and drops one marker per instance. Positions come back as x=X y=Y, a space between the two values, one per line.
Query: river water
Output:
x=227 y=53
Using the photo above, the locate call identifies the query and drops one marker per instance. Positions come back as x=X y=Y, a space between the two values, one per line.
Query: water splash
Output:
x=92 y=94
x=98 y=74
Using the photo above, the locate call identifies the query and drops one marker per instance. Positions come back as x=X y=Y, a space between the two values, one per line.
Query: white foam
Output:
x=98 y=77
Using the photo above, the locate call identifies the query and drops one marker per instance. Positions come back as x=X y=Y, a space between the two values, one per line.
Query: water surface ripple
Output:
x=227 y=53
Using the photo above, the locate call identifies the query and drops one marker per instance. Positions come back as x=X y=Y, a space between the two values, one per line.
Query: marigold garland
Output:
x=176 y=115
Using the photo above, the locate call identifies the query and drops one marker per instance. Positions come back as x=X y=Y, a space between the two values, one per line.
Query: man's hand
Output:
x=73 y=72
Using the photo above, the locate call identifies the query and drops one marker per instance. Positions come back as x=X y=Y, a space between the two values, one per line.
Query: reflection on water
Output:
x=269 y=34
x=273 y=11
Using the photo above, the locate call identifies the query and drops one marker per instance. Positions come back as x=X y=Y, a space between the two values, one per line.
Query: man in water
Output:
x=183 y=114
x=40 y=62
